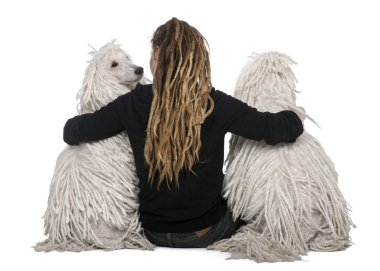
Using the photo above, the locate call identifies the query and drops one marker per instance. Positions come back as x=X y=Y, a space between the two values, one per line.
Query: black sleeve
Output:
x=246 y=121
x=103 y=123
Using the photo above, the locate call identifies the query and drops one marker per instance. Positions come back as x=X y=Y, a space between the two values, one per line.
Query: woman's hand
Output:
x=300 y=111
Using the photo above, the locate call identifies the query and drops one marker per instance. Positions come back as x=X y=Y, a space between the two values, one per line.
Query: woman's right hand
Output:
x=300 y=111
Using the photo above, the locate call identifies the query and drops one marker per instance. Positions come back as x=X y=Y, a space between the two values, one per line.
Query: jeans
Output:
x=225 y=228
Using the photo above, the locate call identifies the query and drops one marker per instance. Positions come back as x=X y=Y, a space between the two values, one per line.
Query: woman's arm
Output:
x=246 y=121
x=103 y=123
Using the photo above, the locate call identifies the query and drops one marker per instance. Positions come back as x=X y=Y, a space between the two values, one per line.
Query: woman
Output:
x=176 y=127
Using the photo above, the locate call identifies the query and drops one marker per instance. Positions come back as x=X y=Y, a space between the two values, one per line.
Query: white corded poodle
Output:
x=287 y=193
x=93 y=194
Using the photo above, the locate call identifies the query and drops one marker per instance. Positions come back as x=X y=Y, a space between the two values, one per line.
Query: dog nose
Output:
x=139 y=70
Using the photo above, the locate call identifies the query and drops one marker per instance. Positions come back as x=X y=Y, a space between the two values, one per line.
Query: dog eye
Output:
x=114 y=64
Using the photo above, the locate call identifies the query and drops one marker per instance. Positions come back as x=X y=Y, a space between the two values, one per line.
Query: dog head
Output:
x=110 y=73
x=267 y=82
x=120 y=66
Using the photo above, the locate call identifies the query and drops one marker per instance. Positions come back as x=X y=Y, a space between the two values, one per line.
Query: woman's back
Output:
x=197 y=201
x=176 y=128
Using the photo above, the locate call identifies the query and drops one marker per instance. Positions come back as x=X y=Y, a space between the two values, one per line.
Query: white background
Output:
x=43 y=54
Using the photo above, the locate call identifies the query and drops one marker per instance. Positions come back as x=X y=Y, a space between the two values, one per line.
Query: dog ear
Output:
x=84 y=96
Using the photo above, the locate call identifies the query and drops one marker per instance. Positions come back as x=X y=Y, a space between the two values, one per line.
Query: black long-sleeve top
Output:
x=197 y=203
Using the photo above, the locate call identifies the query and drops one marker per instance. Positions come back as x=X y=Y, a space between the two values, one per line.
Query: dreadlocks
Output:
x=181 y=101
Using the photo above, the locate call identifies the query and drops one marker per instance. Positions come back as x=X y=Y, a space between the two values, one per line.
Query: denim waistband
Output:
x=224 y=228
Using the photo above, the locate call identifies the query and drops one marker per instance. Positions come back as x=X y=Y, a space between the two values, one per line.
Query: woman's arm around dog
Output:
x=248 y=122
x=101 y=124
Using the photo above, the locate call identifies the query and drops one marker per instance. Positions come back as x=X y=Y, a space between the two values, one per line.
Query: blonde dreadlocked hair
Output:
x=181 y=101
